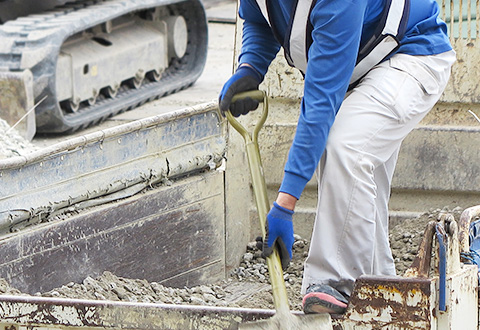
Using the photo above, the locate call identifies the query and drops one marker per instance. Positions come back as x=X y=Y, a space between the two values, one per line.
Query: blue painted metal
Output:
x=442 y=267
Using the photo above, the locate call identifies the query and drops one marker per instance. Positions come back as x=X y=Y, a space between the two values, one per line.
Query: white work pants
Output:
x=350 y=234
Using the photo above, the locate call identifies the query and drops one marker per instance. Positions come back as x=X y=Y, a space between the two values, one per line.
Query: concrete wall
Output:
x=439 y=161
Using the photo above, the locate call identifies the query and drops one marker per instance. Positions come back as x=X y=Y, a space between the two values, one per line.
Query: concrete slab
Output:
x=224 y=12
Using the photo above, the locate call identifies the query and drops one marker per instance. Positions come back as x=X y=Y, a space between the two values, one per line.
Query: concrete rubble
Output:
x=12 y=143
x=246 y=286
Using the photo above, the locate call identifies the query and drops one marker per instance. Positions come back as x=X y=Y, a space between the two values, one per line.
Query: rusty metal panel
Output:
x=391 y=302
x=461 y=300
x=449 y=300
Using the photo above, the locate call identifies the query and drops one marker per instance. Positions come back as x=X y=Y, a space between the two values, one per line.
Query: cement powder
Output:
x=247 y=286
x=11 y=143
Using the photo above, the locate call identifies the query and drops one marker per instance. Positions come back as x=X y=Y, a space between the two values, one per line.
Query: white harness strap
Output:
x=394 y=17
x=385 y=44
x=263 y=8
x=376 y=55
x=298 y=35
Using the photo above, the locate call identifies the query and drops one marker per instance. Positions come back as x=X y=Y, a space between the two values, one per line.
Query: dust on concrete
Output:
x=247 y=286
x=12 y=143
x=6 y=289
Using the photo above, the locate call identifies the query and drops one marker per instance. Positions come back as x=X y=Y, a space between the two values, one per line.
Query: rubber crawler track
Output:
x=33 y=42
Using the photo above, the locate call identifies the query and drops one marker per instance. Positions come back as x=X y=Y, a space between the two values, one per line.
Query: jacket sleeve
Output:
x=259 y=46
x=336 y=35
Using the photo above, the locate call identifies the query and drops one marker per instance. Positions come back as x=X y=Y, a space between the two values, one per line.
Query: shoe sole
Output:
x=318 y=302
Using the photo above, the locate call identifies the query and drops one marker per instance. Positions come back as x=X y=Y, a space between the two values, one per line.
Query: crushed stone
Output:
x=12 y=143
x=248 y=284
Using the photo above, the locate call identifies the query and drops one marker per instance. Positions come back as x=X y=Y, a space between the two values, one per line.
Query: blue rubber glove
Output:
x=279 y=228
x=244 y=79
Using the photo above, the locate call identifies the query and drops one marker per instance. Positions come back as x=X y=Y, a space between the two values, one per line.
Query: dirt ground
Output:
x=247 y=286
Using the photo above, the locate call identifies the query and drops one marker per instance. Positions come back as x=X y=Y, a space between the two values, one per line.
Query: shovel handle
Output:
x=254 y=94
x=259 y=186
x=259 y=96
x=253 y=153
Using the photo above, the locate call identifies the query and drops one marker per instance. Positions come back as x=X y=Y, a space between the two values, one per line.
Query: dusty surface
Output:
x=247 y=285
x=11 y=143
x=5 y=288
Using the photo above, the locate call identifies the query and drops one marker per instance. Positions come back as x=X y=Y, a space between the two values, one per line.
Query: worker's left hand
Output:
x=279 y=229
x=245 y=79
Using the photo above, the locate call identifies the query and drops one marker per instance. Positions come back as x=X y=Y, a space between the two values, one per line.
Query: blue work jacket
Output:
x=339 y=30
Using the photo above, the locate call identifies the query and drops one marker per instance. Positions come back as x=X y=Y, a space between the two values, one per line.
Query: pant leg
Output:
x=383 y=263
x=350 y=235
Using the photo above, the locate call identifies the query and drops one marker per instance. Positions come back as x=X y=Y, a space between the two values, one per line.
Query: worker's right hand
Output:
x=279 y=232
x=245 y=79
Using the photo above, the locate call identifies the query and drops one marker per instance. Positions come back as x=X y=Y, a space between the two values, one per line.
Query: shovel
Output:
x=283 y=319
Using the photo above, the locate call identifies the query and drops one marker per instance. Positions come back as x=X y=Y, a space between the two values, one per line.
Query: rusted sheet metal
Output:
x=443 y=301
x=83 y=314
x=393 y=302
x=453 y=264
x=461 y=300
x=421 y=264
x=108 y=161
x=467 y=216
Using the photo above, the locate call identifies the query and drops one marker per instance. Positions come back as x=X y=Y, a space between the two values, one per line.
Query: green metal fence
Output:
x=464 y=13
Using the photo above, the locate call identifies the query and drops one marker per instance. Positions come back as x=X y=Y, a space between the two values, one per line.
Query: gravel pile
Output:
x=406 y=236
x=252 y=274
x=111 y=287
x=250 y=278
x=6 y=289
x=12 y=143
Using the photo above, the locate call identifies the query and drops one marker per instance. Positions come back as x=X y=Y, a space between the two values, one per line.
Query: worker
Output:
x=372 y=70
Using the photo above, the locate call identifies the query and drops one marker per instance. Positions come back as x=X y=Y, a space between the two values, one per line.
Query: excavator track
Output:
x=52 y=45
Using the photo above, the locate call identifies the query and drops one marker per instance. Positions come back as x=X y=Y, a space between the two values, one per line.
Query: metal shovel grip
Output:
x=253 y=152
x=259 y=96
x=259 y=186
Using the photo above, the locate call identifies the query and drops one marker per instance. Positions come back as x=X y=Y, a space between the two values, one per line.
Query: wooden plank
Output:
x=174 y=234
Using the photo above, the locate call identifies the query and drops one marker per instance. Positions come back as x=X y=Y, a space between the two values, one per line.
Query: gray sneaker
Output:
x=322 y=298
